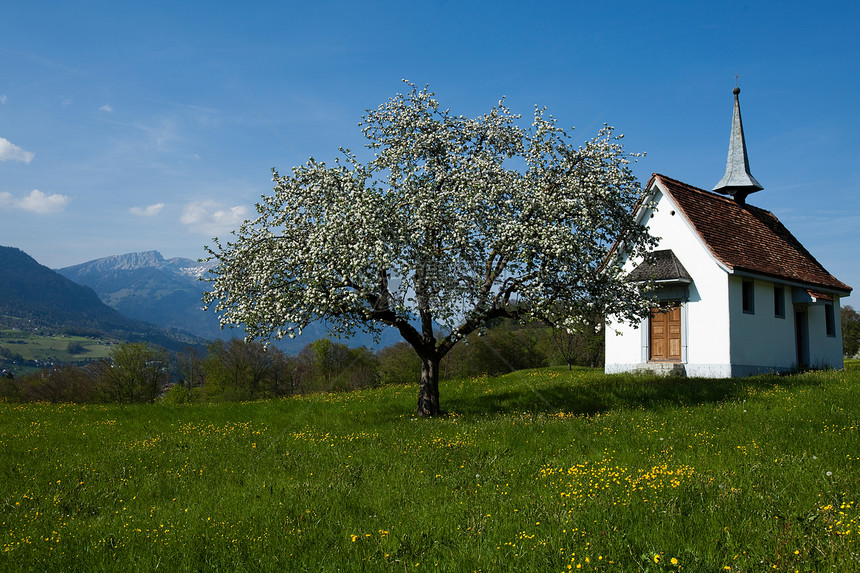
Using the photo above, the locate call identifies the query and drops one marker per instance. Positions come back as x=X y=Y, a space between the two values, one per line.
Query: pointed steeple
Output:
x=737 y=182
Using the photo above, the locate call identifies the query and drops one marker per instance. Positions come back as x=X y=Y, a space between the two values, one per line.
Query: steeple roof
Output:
x=737 y=182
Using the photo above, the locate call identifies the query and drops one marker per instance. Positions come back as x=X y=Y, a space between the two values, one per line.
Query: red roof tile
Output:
x=746 y=238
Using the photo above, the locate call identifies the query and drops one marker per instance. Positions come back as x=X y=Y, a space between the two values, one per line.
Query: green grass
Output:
x=534 y=471
x=36 y=347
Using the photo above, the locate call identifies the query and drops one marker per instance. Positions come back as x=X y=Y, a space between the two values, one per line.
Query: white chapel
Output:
x=735 y=292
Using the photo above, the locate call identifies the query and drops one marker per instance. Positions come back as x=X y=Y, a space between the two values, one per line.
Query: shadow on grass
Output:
x=596 y=393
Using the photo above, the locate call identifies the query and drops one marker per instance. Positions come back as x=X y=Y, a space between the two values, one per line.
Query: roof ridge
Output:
x=711 y=194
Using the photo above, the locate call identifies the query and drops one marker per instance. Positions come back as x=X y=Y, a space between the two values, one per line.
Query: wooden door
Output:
x=665 y=342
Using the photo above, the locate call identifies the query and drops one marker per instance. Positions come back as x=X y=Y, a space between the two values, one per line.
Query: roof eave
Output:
x=744 y=272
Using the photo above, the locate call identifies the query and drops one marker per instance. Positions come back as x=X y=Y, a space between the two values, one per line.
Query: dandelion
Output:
x=673 y=561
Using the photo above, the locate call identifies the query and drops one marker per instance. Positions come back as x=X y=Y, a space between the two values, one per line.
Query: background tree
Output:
x=245 y=370
x=454 y=222
x=504 y=346
x=850 y=331
x=76 y=347
x=398 y=364
x=329 y=366
x=65 y=383
x=136 y=373
x=584 y=345
x=188 y=366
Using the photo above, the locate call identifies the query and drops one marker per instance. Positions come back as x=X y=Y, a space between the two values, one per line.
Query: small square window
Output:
x=748 y=293
x=779 y=301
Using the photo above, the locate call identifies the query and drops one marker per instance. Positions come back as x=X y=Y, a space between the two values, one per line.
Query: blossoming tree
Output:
x=454 y=222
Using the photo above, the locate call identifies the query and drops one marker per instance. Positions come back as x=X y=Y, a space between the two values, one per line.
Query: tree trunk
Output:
x=428 y=387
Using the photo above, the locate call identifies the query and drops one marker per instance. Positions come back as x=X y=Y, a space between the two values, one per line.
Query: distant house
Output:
x=736 y=294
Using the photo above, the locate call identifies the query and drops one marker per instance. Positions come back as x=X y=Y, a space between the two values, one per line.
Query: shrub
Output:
x=178 y=394
x=76 y=347
x=60 y=384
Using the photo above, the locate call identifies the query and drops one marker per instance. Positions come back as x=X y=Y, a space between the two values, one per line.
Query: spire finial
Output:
x=737 y=182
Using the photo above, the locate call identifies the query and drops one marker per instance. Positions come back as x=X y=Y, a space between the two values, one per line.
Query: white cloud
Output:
x=149 y=211
x=35 y=202
x=211 y=218
x=107 y=108
x=11 y=152
x=3 y=99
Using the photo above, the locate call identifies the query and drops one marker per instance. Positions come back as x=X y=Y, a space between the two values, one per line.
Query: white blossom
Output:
x=454 y=221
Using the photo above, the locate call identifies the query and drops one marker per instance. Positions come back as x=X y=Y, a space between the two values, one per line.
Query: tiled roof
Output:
x=662 y=266
x=746 y=238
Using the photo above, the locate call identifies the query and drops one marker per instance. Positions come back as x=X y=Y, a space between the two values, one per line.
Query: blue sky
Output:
x=137 y=126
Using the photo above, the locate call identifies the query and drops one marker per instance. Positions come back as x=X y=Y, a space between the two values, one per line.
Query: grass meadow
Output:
x=30 y=346
x=37 y=347
x=542 y=470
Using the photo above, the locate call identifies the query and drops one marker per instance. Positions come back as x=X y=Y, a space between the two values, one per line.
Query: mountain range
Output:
x=169 y=292
x=146 y=286
x=35 y=297
x=135 y=296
